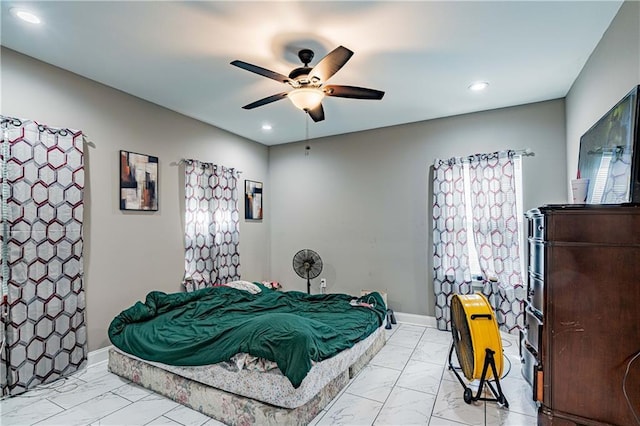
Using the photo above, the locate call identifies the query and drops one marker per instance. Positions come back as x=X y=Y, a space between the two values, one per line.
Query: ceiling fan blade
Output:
x=317 y=114
x=266 y=100
x=262 y=71
x=330 y=64
x=352 y=92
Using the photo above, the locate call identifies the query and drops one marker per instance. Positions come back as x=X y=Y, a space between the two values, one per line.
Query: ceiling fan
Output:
x=308 y=83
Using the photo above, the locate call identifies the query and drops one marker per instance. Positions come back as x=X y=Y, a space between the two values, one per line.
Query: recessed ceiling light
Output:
x=25 y=15
x=266 y=127
x=478 y=86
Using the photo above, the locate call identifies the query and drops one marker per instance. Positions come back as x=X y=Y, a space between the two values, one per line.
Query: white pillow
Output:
x=244 y=285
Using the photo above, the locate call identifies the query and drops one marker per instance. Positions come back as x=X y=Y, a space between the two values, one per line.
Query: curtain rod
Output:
x=527 y=152
x=189 y=161
x=86 y=140
x=18 y=122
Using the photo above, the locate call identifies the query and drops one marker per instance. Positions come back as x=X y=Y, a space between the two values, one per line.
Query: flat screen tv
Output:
x=610 y=154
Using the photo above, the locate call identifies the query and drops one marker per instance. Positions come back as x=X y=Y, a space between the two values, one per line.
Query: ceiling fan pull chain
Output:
x=307 y=147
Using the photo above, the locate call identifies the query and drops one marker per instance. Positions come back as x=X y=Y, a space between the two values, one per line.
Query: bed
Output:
x=179 y=345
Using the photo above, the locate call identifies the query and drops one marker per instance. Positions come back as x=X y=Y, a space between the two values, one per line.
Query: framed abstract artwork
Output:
x=138 y=181
x=252 y=200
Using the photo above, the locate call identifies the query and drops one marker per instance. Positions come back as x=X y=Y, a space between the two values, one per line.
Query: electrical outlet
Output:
x=323 y=283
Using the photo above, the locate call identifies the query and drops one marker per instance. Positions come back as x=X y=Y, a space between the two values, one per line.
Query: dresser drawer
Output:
x=612 y=226
x=533 y=330
x=536 y=257
x=536 y=227
x=529 y=364
x=535 y=295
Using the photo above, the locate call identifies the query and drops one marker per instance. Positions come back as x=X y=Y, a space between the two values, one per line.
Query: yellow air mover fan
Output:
x=478 y=345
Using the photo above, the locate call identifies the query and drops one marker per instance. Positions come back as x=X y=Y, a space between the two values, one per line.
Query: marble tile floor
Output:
x=406 y=383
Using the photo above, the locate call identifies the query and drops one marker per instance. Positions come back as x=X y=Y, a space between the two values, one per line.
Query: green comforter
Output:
x=213 y=324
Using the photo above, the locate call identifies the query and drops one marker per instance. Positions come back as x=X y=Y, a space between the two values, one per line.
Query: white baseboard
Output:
x=98 y=356
x=423 y=320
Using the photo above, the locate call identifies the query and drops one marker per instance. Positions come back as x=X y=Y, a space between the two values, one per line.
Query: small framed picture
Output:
x=252 y=200
x=138 y=181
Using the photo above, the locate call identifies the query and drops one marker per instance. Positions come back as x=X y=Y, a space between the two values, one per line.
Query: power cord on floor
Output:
x=506 y=358
x=624 y=386
x=58 y=385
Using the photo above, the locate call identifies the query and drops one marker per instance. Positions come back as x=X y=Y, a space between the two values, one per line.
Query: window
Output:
x=474 y=259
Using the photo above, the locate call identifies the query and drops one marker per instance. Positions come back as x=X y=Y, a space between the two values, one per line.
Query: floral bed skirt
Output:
x=235 y=409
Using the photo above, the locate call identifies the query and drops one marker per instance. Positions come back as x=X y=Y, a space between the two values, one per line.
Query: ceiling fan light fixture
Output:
x=25 y=15
x=478 y=86
x=306 y=98
x=307 y=82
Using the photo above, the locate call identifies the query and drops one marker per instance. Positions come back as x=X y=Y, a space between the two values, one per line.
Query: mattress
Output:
x=246 y=396
x=211 y=325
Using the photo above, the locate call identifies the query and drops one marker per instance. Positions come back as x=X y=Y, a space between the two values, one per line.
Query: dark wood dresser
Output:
x=582 y=324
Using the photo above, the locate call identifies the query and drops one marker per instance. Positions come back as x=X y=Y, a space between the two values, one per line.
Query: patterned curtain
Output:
x=44 y=332
x=450 y=251
x=495 y=230
x=212 y=225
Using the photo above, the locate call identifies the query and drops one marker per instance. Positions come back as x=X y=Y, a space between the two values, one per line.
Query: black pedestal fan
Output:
x=307 y=264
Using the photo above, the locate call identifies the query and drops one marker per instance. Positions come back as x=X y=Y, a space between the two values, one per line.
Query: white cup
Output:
x=579 y=190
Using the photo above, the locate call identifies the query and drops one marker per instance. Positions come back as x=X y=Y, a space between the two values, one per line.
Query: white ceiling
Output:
x=423 y=55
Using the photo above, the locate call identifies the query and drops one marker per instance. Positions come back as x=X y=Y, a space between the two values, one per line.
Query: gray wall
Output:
x=612 y=70
x=129 y=254
x=363 y=200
